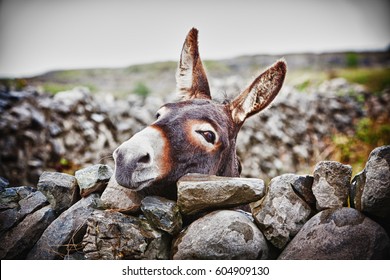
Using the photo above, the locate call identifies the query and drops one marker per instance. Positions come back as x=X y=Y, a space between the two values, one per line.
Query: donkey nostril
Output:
x=144 y=159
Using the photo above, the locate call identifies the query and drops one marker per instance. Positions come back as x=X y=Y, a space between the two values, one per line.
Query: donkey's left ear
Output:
x=260 y=93
x=191 y=79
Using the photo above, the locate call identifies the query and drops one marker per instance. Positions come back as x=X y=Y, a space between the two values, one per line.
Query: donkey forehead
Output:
x=198 y=109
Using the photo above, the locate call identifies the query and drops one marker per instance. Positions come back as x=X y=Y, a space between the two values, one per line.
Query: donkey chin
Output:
x=135 y=181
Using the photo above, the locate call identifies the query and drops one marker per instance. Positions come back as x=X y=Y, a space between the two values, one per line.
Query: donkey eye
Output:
x=208 y=135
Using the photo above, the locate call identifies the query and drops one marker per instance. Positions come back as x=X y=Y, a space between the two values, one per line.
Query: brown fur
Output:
x=181 y=146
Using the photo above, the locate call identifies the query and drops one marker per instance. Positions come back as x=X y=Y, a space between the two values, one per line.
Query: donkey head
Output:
x=196 y=134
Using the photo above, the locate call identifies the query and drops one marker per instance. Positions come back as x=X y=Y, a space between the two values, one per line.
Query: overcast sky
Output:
x=41 y=35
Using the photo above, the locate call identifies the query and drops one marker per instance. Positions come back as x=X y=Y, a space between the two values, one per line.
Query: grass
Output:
x=302 y=79
x=215 y=66
x=156 y=67
x=354 y=150
x=374 y=79
x=54 y=88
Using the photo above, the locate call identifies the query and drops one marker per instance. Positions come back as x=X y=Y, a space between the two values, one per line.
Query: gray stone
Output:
x=331 y=184
x=222 y=234
x=162 y=213
x=303 y=188
x=24 y=191
x=31 y=203
x=54 y=129
x=3 y=183
x=67 y=101
x=77 y=256
x=16 y=242
x=93 y=178
x=60 y=189
x=372 y=186
x=8 y=218
x=339 y=234
x=198 y=192
x=115 y=236
x=16 y=203
x=118 y=198
x=9 y=198
x=66 y=232
x=282 y=213
x=98 y=117
x=356 y=190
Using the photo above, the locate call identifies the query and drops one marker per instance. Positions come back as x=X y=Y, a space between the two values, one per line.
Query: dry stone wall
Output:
x=73 y=129
x=284 y=220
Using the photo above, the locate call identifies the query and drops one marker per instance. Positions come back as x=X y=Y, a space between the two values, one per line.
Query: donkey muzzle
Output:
x=138 y=161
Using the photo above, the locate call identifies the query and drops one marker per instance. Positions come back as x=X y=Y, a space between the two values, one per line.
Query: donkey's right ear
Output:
x=191 y=79
x=260 y=93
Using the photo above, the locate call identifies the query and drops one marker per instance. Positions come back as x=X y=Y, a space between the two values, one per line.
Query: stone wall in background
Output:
x=74 y=128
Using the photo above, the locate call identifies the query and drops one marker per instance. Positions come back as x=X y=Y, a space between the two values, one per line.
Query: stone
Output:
x=356 y=190
x=119 y=198
x=162 y=214
x=66 y=101
x=60 y=189
x=3 y=183
x=93 y=178
x=302 y=186
x=17 y=203
x=339 y=234
x=9 y=198
x=222 y=234
x=98 y=117
x=54 y=129
x=198 y=192
x=77 y=256
x=31 y=203
x=331 y=184
x=282 y=213
x=16 y=242
x=371 y=187
x=114 y=236
x=64 y=234
x=8 y=218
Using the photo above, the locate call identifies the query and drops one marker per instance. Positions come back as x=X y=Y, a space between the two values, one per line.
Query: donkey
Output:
x=196 y=134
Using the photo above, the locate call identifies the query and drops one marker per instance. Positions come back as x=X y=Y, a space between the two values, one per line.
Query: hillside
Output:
x=229 y=74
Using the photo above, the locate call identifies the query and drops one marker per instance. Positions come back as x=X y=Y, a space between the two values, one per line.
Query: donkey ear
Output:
x=191 y=80
x=260 y=93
